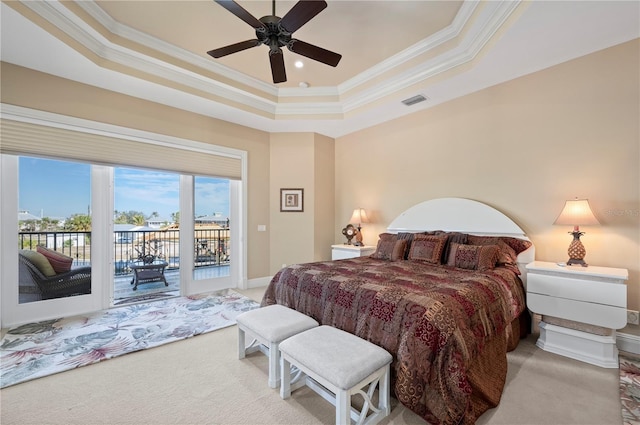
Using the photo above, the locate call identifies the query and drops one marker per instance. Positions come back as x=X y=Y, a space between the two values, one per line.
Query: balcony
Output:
x=211 y=255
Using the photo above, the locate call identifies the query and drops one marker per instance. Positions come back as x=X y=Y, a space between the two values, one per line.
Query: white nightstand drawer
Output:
x=584 y=312
x=610 y=294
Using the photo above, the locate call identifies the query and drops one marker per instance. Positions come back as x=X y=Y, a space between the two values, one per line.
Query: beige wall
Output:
x=32 y=89
x=523 y=147
x=301 y=160
x=324 y=178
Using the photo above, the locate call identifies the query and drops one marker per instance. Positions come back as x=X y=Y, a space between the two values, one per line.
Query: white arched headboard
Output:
x=460 y=215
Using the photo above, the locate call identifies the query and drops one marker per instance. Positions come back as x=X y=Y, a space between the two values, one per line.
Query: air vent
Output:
x=415 y=99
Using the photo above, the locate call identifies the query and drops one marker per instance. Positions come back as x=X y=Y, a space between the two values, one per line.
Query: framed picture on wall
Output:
x=291 y=200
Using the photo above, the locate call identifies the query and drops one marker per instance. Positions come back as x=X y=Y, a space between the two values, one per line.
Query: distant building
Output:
x=125 y=233
x=26 y=215
x=28 y=222
x=212 y=219
x=157 y=222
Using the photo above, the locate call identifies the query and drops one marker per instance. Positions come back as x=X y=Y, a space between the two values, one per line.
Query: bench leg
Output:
x=241 y=342
x=274 y=365
x=343 y=408
x=384 y=389
x=285 y=382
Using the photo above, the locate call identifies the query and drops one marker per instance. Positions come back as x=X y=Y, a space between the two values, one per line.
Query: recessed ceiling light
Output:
x=299 y=64
x=303 y=84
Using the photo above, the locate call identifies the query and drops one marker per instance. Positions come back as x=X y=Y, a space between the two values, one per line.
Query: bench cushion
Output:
x=338 y=356
x=276 y=322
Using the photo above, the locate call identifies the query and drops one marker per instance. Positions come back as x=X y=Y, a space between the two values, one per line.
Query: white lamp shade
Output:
x=577 y=213
x=359 y=216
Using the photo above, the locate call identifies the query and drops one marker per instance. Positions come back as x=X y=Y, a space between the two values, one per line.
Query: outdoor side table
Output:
x=146 y=273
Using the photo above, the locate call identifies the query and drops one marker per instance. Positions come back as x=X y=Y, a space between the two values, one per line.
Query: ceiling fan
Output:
x=276 y=32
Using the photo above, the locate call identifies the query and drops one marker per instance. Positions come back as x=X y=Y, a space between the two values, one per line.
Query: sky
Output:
x=59 y=189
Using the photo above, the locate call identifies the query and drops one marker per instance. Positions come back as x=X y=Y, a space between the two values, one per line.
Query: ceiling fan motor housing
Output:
x=273 y=34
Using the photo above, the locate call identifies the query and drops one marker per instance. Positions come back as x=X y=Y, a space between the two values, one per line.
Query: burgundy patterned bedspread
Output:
x=445 y=327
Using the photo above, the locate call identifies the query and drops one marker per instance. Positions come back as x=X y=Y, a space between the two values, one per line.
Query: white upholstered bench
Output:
x=343 y=364
x=269 y=326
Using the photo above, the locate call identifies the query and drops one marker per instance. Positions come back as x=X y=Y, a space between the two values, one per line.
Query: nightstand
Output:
x=340 y=252
x=581 y=309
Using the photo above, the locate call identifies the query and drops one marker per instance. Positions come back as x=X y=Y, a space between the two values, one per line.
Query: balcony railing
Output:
x=211 y=246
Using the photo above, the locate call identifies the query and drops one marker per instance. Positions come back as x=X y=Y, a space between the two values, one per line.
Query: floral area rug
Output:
x=630 y=389
x=44 y=348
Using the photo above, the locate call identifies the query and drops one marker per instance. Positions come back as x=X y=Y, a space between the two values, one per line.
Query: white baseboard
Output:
x=599 y=350
x=259 y=282
x=628 y=342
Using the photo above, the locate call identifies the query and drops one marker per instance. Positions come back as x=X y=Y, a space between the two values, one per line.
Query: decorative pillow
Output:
x=456 y=237
x=406 y=236
x=518 y=245
x=473 y=257
x=390 y=249
x=40 y=261
x=427 y=248
x=60 y=262
x=509 y=247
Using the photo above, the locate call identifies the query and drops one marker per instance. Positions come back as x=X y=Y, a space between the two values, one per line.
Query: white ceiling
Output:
x=392 y=50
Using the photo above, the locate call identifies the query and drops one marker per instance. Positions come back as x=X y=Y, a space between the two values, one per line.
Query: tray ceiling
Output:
x=392 y=50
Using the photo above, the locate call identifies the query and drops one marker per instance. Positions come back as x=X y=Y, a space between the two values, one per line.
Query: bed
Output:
x=443 y=293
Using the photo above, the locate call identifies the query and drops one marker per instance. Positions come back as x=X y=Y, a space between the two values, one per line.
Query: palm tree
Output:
x=78 y=223
x=48 y=223
x=138 y=220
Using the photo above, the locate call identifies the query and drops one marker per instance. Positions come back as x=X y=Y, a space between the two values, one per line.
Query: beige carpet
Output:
x=201 y=381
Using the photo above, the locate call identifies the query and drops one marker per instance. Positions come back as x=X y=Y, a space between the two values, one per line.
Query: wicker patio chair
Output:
x=73 y=282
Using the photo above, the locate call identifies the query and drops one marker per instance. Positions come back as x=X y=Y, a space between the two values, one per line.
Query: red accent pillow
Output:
x=60 y=262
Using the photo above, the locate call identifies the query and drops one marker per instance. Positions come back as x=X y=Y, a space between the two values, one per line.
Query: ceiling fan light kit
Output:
x=276 y=33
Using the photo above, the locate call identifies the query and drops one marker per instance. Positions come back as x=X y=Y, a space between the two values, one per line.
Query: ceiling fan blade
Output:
x=301 y=13
x=240 y=12
x=277 y=66
x=233 y=48
x=314 y=52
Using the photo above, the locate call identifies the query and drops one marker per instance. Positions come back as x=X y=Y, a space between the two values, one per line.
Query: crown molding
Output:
x=479 y=30
x=490 y=21
x=431 y=42
x=61 y=17
x=151 y=42
x=305 y=109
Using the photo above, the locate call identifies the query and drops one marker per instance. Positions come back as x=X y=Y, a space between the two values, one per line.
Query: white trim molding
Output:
x=628 y=342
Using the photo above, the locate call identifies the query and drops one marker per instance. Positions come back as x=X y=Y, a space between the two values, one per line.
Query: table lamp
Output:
x=359 y=216
x=577 y=213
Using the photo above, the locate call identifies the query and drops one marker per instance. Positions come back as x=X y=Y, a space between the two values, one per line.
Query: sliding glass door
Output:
x=132 y=235
x=54 y=229
x=146 y=235
x=212 y=255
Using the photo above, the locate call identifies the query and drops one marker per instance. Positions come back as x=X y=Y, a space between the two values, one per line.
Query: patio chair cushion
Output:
x=60 y=262
x=40 y=261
